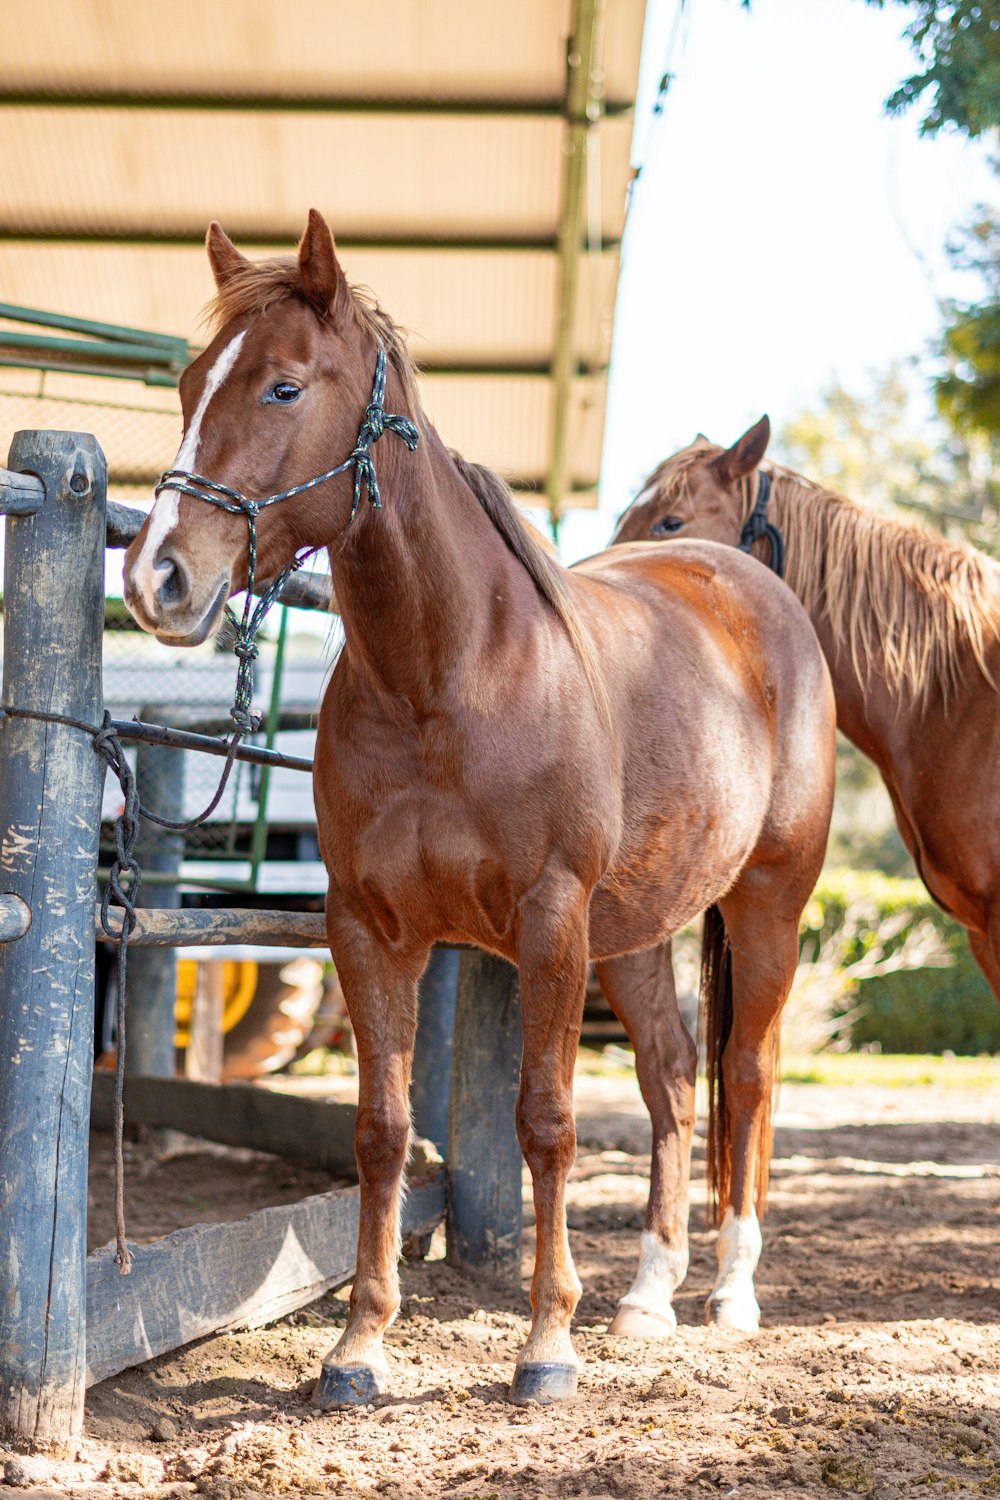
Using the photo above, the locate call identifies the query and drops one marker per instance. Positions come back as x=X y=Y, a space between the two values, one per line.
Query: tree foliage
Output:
x=957 y=43
x=968 y=393
x=873 y=447
x=957 y=85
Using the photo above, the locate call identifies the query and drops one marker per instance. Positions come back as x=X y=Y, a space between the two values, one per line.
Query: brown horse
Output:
x=552 y=765
x=910 y=627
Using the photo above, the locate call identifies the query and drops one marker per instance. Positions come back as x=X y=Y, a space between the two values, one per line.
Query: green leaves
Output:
x=957 y=43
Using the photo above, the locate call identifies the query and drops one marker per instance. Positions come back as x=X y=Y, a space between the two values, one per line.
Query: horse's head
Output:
x=276 y=399
x=700 y=492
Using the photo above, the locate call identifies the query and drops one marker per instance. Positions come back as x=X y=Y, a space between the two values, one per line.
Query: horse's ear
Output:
x=322 y=278
x=223 y=255
x=746 y=453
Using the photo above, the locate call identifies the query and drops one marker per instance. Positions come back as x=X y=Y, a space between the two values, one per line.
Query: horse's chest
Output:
x=440 y=873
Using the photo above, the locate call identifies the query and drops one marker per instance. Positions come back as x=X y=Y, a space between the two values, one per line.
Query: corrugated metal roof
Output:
x=472 y=178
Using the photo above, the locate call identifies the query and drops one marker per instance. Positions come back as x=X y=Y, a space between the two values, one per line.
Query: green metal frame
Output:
x=100 y=349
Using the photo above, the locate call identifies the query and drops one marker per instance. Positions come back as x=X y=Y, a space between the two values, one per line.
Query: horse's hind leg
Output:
x=380 y=987
x=760 y=942
x=640 y=990
x=552 y=959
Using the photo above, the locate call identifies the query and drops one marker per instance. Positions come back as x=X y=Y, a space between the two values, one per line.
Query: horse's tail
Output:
x=716 y=1024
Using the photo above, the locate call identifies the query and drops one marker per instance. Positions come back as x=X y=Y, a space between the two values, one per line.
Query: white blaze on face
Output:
x=146 y=576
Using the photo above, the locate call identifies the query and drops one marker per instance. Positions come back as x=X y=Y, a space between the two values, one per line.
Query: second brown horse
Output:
x=910 y=627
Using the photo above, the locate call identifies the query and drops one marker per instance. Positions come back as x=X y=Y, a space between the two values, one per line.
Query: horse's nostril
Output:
x=173 y=585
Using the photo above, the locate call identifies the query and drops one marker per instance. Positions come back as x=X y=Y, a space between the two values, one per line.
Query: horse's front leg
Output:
x=552 y=957
x=380 y=986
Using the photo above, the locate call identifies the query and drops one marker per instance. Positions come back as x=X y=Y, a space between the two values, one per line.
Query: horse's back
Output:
x=711 y=599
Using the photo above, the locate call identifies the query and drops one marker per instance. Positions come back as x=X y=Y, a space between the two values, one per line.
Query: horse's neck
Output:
x=422 y=583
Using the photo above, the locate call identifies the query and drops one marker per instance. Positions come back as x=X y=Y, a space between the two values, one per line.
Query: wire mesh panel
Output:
x=139 y=428
x=192 y=689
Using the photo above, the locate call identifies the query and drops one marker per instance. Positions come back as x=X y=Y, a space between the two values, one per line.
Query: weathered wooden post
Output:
x=152 y=974
x=430 y=1084
x=484 y=1158
x=50 y=807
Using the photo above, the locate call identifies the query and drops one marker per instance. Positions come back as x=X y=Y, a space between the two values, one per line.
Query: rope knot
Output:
x=246 y=721
x=247 y=651
x=375 y=420
x=364 y=477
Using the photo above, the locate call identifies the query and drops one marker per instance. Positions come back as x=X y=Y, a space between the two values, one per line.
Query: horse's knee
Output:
x=546 y=1132
x=381 y=1143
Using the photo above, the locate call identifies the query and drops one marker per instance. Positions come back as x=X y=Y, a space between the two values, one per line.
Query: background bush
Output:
x=857 y=928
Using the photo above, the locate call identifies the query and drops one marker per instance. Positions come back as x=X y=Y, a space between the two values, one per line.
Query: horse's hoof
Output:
x=734 y=1314
x=543 y=1383
x=341 y=1386
x=639 y=1323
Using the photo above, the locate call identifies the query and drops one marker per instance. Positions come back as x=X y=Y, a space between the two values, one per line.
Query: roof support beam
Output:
x=275 y=238
x=584 y=108
x=299 y=104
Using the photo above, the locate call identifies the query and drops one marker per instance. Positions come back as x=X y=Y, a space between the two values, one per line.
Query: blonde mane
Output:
x=255 y=286
x=895 y=595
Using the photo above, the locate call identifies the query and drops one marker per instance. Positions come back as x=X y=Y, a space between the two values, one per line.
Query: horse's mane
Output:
x=892 y=591
x=537 y=556
x=252 y=288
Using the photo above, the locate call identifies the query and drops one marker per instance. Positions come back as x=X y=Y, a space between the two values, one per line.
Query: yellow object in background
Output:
x=239 y=985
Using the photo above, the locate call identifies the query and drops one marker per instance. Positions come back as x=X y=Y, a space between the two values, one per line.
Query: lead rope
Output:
x=376 y=421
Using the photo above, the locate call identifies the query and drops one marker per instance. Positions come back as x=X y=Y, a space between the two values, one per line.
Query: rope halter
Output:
x=376 y=421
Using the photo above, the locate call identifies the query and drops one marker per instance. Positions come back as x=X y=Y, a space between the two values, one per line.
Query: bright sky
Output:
x=783 y=230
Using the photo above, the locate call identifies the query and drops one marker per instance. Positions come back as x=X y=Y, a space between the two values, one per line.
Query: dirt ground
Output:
x=877 y=1371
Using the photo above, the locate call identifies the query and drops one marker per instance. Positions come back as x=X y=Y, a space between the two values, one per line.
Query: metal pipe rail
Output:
x=186 y=739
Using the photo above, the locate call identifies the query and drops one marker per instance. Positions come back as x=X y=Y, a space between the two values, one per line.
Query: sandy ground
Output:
x=877 y=1371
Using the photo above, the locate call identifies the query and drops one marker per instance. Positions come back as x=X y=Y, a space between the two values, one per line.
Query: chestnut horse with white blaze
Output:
x=553 y=765
x=910 y=626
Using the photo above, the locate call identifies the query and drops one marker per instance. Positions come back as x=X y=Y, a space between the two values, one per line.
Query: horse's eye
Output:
x=665 y=525
x=284 y=392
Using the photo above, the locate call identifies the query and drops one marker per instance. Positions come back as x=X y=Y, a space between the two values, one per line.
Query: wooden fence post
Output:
x=430 y=1084
x=152 y=972
x=50 y=806
x=484 y=1158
